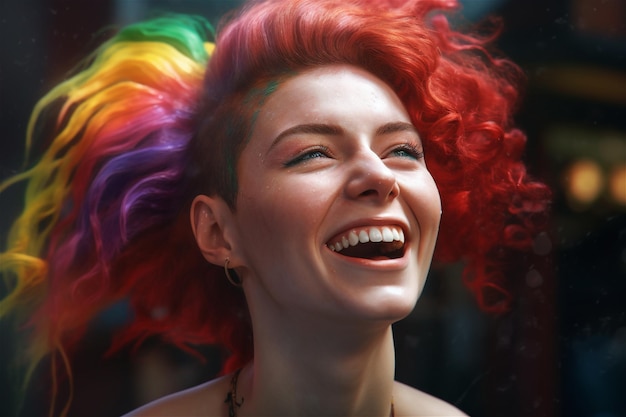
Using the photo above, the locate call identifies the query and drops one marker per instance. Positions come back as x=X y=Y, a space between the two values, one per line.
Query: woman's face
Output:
x=333 y=162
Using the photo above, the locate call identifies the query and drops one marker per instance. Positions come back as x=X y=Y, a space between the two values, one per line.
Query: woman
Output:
x=299 y=152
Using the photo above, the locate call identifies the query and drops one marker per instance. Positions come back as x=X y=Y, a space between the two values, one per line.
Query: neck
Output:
x=319 y=369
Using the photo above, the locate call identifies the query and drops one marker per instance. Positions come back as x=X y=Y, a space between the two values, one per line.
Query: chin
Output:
x=392 y=305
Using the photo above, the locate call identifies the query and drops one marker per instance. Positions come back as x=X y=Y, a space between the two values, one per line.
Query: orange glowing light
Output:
x=584 y=181
x=617 y=184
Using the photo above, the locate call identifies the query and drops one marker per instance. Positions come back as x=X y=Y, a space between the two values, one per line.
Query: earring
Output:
x=228 y=272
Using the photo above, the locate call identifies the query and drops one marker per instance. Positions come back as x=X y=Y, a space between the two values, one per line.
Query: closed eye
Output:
x=317 y=152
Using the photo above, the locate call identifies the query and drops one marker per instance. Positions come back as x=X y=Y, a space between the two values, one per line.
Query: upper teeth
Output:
x=370 y=234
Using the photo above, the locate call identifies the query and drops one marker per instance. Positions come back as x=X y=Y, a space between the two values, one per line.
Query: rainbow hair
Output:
x=112 y=173
x=148 y=124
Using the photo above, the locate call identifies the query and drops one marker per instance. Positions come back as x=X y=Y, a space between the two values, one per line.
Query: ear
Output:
x=211 y=221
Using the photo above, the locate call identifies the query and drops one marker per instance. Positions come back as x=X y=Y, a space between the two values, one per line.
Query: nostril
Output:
x=372 y=181
x=367 y=193
x=394 y=192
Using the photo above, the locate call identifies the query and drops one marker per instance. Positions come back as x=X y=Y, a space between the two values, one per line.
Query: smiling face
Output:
x=337 y=214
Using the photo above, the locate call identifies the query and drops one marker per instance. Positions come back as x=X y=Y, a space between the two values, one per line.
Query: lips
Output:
x=372 y=242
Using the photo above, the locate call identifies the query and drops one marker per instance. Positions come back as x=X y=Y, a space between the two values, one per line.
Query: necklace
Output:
x=233 y=404
x=231 y=397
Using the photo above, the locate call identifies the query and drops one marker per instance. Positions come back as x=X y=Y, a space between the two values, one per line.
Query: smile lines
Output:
x=366 y=235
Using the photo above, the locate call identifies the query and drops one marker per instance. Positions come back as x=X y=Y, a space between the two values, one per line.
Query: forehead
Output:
x=338 y=94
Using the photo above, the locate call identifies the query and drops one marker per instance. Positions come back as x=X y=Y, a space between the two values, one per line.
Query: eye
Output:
x=309 y=154
x=407 y=150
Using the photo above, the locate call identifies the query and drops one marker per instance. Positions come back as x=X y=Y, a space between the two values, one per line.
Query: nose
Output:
x=370 y=179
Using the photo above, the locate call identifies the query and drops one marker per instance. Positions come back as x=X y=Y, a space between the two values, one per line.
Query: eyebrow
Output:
x=331 y=130
x=308 y=128
x=396 y=127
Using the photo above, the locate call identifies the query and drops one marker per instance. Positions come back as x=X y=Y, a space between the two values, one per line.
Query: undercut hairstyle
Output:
x=161 y=112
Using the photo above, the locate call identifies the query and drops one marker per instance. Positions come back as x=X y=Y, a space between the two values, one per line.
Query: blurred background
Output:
x=561 y=351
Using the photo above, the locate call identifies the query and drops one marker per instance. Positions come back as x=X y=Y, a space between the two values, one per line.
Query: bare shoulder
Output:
x=409 y=401
x=203 y=400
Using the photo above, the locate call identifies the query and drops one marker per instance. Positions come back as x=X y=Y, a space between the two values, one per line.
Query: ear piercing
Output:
x=237 y=281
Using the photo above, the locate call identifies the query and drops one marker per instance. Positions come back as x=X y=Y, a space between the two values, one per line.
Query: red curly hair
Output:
x=459 y=96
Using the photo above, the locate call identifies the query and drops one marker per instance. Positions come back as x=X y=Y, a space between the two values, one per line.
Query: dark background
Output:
x=561 y=351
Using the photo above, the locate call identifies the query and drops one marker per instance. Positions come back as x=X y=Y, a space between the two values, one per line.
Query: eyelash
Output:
x=308 y=154
x=411 y=150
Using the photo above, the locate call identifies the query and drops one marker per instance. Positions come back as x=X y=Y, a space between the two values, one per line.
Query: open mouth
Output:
x=377 y=243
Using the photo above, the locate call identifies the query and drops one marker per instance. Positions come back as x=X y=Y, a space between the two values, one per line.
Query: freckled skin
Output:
x=288 y=214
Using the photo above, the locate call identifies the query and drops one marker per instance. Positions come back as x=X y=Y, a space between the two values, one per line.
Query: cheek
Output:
x=422 y=195
x=257 y=214
x=435 y=202
x=271 y=207
x=277 y=224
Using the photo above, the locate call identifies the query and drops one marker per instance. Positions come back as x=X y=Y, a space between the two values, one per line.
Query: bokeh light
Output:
x=617 y=184
x=584 y=182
